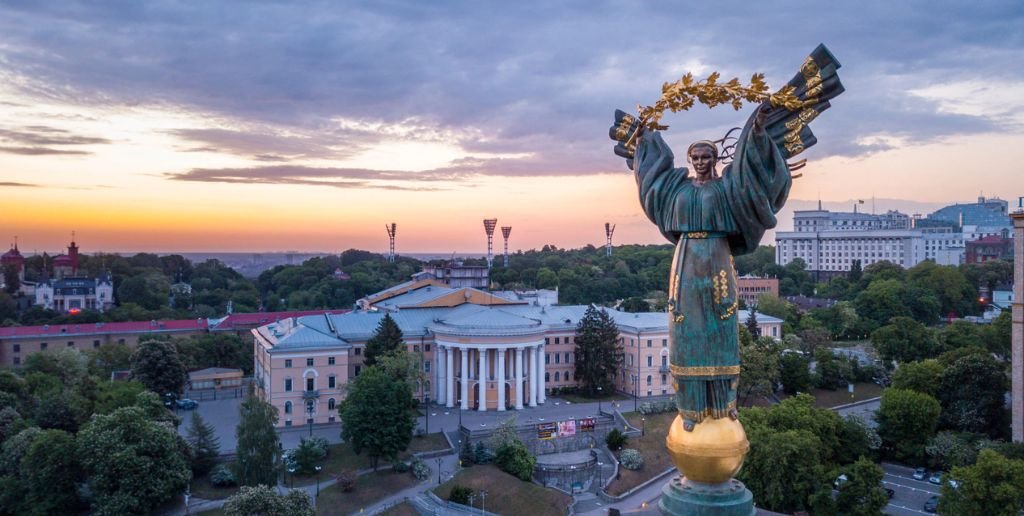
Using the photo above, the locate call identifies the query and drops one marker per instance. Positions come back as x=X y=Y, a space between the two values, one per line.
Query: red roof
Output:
x=13 y=254
x=251 y=320
x=991 y=239
x=58 y=330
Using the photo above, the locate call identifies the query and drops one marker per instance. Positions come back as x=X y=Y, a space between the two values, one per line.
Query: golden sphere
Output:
x=713 y=452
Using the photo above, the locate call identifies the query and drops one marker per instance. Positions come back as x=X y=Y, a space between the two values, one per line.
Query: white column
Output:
x=501 y=378
x=533 y=376
x=541 y=396
x=518 y=357
x=482 y=378
x=464 y=360
x=449 y=374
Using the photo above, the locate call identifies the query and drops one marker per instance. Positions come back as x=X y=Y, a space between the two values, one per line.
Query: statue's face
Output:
x=703 y=160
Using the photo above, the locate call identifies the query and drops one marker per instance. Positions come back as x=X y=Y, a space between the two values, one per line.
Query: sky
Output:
x=285 y=125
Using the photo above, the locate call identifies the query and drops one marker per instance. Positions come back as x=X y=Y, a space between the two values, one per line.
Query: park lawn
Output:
x=402 y=509
x=369 y=489
x=507 y=494
x=576 y=398
x=651 y=447
x=341 y=457
x=828 y=399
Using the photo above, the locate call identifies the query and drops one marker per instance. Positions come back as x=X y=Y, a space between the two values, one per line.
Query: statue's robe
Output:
x=709 y=224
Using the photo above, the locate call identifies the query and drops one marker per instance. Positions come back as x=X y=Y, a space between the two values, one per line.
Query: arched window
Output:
x=330 y=404
x=287 y=407
x=648 y=379
x=309 y=406
x=556 y=376
x=547 y=376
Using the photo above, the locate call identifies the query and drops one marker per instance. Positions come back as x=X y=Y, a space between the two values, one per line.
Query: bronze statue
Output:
x=711 y=218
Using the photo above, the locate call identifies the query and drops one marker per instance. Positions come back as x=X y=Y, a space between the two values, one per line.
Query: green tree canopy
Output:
x=156 y=364
x=265 y=501
x=258 y=452
x=132 y=464
x=862 y=493
x=972 y=392
x=904 y=340
x=906 y=422
x=375 y=416
x=759 y=369
x=992 y=486
x=50 y=473
x=150 y=290
x=922 y=376
x=794 y=373
x=387 y=338
x=598 y=353
x=205 y=445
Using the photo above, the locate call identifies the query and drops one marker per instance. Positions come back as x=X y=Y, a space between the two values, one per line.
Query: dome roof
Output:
x=12 y=255
x=62 y=260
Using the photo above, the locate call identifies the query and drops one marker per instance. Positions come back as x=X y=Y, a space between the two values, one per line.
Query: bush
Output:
x=460 y=494
x=657 y=407
x=222 y=476
x=515 y=459
x=631 y=459
x=320 y=445
x=466 y=454
x=308 y=454
x=400 y=466
x=615 y=439
x=481 y=455
x=347 y=480
x=420 y=470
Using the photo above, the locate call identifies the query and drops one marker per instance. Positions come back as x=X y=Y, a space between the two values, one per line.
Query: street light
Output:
x=643 y=426
x=439 y=471
x=460 y=412
x=291 y=473
x=318 y=468
x=483 y=498
x=309 y=412
x=599 y=389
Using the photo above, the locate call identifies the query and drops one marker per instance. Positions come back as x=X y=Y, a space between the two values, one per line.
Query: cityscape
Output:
x=717 y=312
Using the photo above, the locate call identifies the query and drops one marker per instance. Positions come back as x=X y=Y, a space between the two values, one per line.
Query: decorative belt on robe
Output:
x=694 y=235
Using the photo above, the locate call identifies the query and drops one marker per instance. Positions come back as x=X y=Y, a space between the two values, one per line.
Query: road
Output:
x=910 y=494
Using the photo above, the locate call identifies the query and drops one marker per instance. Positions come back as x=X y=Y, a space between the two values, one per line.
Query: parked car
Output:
x=920 y=474
x=187 y=404
x=889 y=493
x=932 y=504
x=936 y=478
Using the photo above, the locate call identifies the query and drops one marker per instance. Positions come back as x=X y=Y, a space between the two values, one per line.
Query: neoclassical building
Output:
x=477 y=351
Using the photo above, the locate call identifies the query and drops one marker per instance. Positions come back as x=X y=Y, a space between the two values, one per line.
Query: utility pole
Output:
x=483 y=498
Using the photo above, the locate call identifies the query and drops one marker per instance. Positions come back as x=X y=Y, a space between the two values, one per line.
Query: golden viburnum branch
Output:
x=684 y=93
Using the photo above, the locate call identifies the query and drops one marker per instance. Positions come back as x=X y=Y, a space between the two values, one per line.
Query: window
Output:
x=556 y=340
x=120 y=341
x=95 y=343
x=547 y=341
x=359 y=351
x=547 y=376
x=42 y=345
x=664 y=343
x=426 y=366
x=330 y=360
x=558 y=358
x=288 y=422
x=71 y=343
x=309 y=361
x=331 y=404
x=288 y=362
x=287 y=385
x=547 y=358
x=650 y=361
x=566 y=358
x=664 y=379
x=557 y=378
x=17 y=360
x=309 y=383
x=416 y=348
x=332 y=381
x=17 y=348
x=648 y=342
x=287 y=407
x=357 y=371
x=664 y=360
x=648 y=381
x=426 y=387
x=309 y=408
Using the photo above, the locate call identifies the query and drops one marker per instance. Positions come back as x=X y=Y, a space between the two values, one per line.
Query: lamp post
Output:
x=643 y=426
x=460 y=412
x=426 y=407
x=599 y=389
x=309 y=414
x=318 y=468
x=291 y=474
x=483 y=498
x=439 y=471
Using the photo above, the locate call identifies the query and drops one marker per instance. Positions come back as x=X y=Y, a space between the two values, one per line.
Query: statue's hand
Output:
x=762 y=113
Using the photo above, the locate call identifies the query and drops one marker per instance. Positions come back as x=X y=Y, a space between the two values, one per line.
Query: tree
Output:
x=862 y=493
x=904 y=340
x=759 y=370
x=994 y=485
x=855 y=273
x=752 y=323
x=598 y=353
x=386 y=339
x=402 y=365
x=265 y=501
x=920 y=376
x=972 y=393
x=635 y=304
x=150 y=290
x=205 y=445
x=375 y=416
x=132 y=464
x=61 y=411
x=111 y=396
x=109 y=358
x=906 y=421
x=782 y=469
x=155 y=363
x=50 y=473
x=830 y=373
x=794 y=373
x=258 y=451
x=504 y=434
x=857 y=439
x=307 y=455
x=12 y=282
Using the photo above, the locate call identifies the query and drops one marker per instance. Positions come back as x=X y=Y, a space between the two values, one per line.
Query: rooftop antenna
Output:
x=391 y=241
x=505 y=232
x=609 y=229
x=489 y=225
